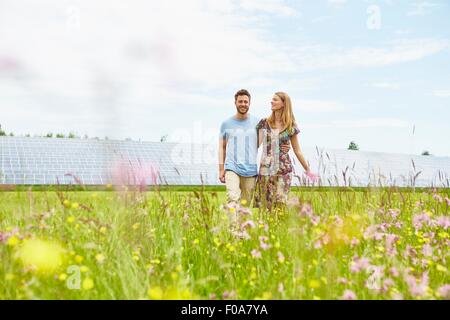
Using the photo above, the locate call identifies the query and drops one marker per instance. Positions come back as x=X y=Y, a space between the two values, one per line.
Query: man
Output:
x=238 y=151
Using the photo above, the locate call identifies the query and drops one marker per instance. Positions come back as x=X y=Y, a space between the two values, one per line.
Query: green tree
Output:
x=60 y=135
x=49 y=135
x=426 y=153
x=353 y=146
x=2 y=133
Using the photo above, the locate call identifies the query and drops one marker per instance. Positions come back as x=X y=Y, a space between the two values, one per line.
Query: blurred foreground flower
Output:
x=128 y=174
x=41 y=255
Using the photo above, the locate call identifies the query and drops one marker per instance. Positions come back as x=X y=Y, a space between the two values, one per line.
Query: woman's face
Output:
x=277 y=103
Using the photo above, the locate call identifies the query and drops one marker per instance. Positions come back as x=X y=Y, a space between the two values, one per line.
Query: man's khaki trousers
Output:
x=239 y=188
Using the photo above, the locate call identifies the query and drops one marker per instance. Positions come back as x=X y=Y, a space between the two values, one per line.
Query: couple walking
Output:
x=241 y=136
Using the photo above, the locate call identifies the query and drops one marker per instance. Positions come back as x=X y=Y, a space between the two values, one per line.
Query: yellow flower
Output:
x=9 y=277
x=75 y=205
x=135 y=226
x=196 y=241
x=102 y=229
x=155 y=293
x=314 y=284
x=174 y=276
x=84 y=269
x=232 y=210
x=88 y=284
x=70 y=219
x=62 y=277
x=66 y=203
x=94 y=195
x=79 y=259
x=100 y=258
x=12 y=241
x=43 y=255
x=243 y=202
x=441 y=268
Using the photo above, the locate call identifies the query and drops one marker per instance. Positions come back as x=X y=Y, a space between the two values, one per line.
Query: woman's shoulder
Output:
x=262 y=123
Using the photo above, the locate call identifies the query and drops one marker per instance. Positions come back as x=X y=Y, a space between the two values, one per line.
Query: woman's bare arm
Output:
x=298 y=152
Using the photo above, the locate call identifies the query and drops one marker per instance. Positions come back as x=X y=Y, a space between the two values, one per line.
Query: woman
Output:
x=275 y=172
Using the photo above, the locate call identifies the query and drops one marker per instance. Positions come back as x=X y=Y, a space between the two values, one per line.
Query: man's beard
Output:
x=239 y=110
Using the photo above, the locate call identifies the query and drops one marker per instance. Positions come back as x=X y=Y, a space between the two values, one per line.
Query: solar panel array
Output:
x=31 y=161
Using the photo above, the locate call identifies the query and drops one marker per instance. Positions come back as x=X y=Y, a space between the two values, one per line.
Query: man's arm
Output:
x=222 y=152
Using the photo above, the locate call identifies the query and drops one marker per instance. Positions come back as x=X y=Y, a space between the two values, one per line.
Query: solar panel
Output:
x=27 y=160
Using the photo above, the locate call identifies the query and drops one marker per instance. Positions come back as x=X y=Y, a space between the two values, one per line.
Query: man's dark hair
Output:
x=242 y=92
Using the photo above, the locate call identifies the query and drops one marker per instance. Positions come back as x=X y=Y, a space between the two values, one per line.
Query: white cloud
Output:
x=385 y=85
x=268 y=6
x=421 y=8
x=362 y=123
x=442 y=93
x=398 y=51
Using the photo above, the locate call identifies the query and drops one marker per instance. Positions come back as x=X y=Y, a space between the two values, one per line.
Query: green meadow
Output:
x=379 y=243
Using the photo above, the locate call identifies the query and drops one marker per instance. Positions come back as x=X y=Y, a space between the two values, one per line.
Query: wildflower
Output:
x=79 y=259
x=358 y=264
x=348 y=295
x=135 y=226
x=256 y=254
x=196 y=241
x=248 y=223
x=417 y=288
x=84 y=269
x=427 y=250
x=102 y=229
x=100 y=258
x=394 y=272
x=12 y=241
x=70 y=219
x=66 y=203
x=243 y=202
x=314 y=284
x=280 y=257
x=88 y=284
x=42 y=255
x=75 y=205
x=444 y=291
x=62 y=277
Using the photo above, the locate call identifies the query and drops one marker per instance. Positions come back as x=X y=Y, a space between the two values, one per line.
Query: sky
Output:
x=373 y=72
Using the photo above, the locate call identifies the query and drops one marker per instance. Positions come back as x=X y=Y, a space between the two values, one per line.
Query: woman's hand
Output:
x=312 y=176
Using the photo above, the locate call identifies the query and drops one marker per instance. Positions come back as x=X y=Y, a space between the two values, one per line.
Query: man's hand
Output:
x=285 y=147
x=222 y=176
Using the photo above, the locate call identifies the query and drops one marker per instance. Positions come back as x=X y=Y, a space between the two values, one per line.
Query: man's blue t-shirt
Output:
x=241 y=152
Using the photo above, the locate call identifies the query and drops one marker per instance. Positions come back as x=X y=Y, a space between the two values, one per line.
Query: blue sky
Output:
x=366 y=71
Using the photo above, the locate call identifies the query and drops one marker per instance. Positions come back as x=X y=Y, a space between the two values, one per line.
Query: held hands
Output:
x=312 y=176
x=285 y=147
x=222 y=176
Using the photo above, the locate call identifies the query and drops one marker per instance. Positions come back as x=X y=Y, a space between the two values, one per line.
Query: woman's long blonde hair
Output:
x=287 y=116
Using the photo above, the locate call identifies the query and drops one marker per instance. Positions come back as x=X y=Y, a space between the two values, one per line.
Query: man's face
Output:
x=242 y=104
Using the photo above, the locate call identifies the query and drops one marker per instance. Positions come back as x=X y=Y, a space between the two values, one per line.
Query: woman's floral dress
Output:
x=275 y=171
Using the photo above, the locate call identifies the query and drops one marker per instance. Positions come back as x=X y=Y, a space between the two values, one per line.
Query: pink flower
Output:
x=444 y=291
x=348 y=295
x=447 y=200
x=248 y=224
x=359 y=264
x=306 y=210
x=417 y=288
x=256 y=254
x=443 y=222
x=427 y=250
x=438 y=198
x=420 y=219
x=394 y=272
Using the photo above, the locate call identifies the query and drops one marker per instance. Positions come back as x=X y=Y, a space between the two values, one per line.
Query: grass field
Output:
x=366 y=244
